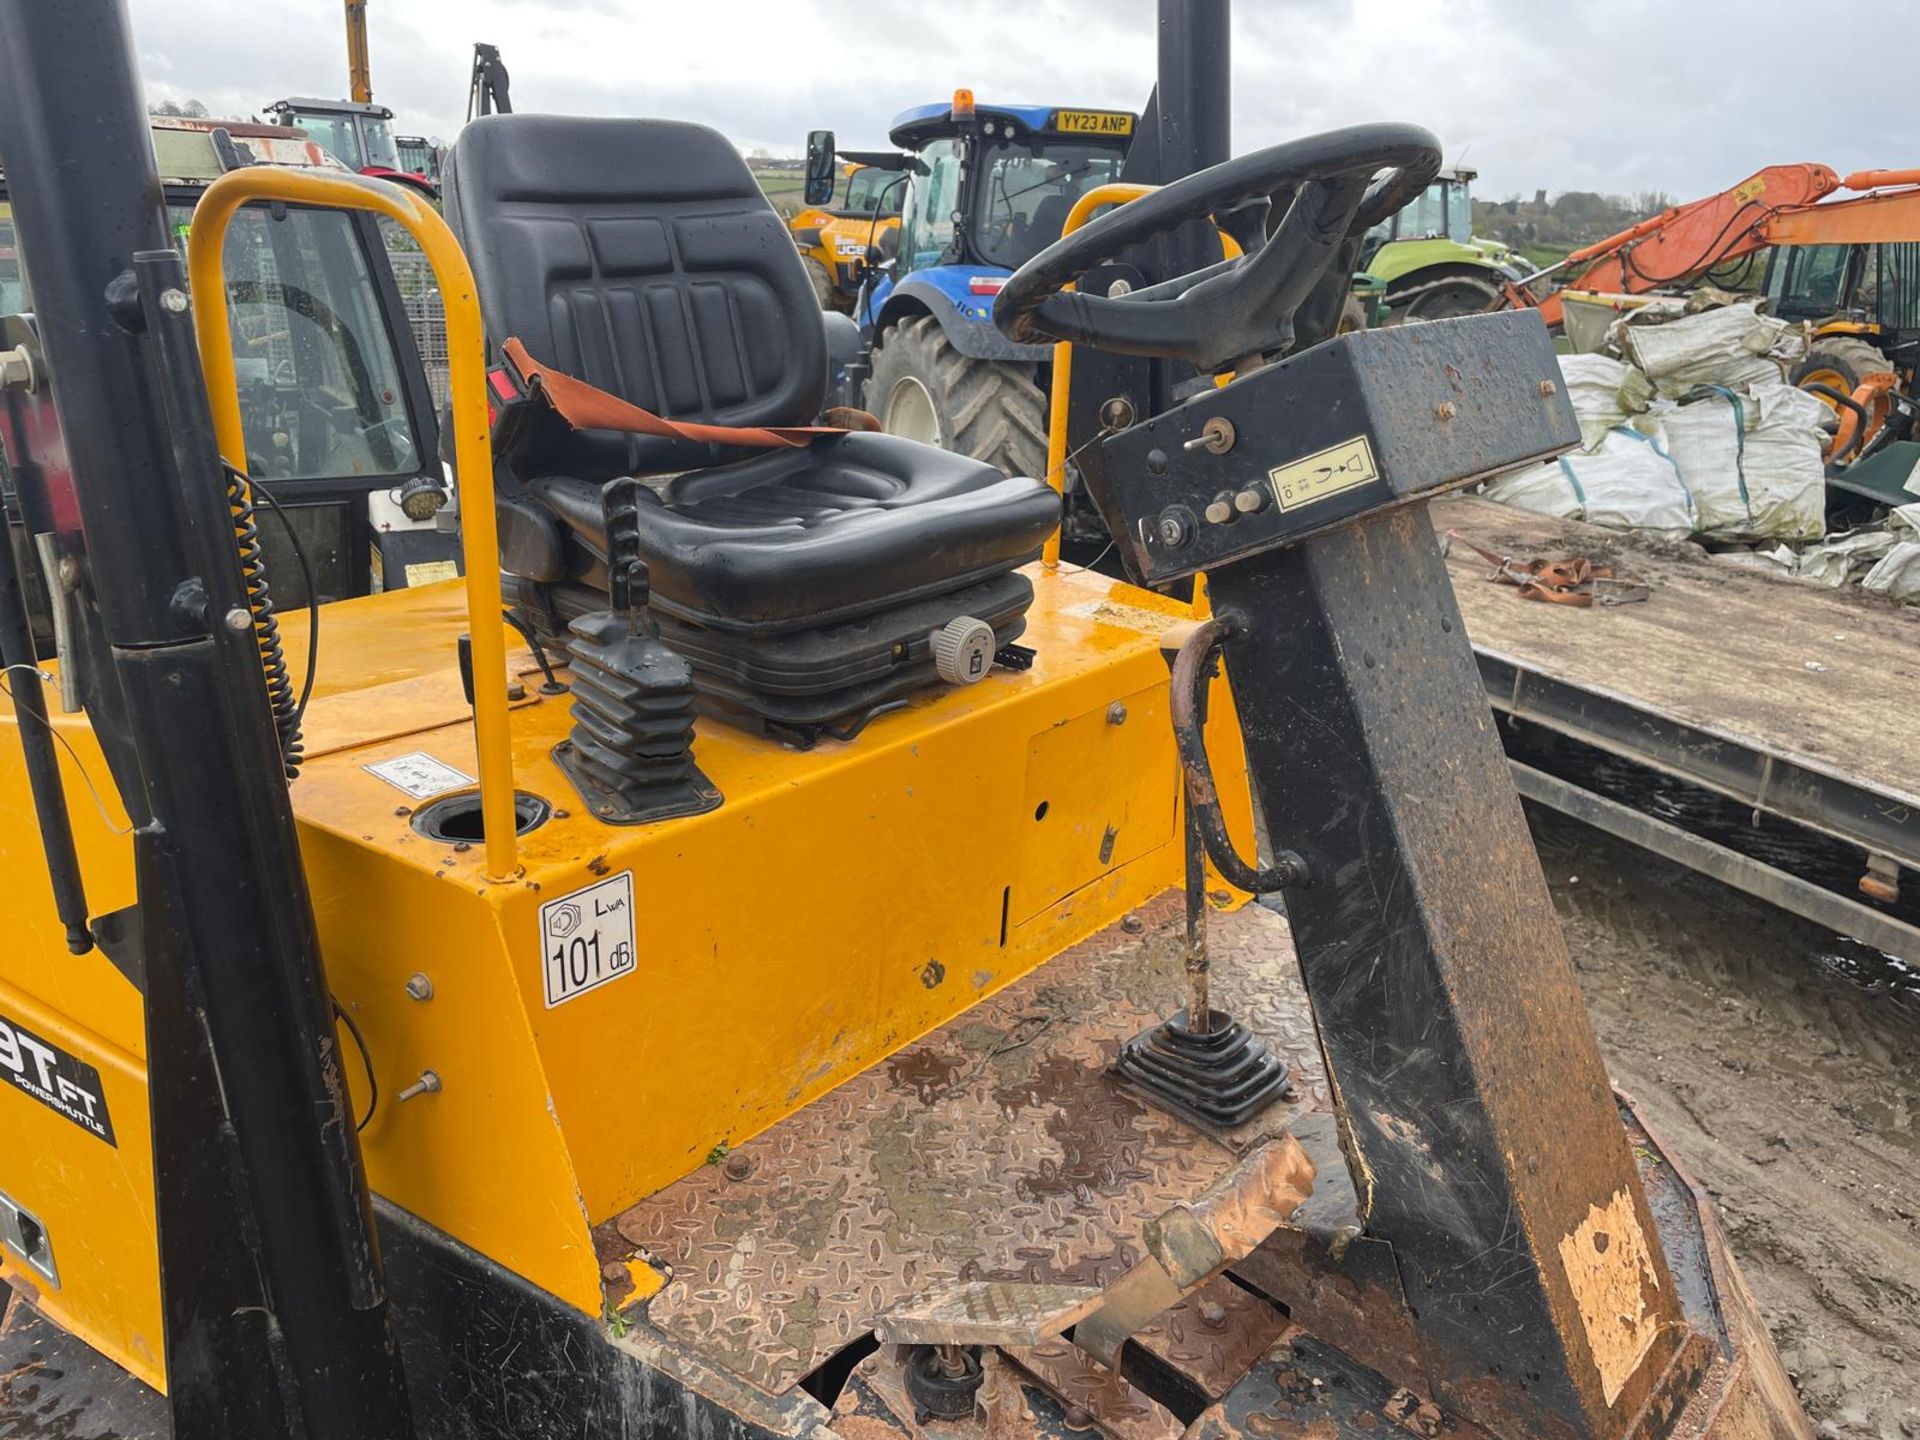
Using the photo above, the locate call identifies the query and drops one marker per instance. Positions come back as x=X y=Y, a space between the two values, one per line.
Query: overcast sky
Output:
x=1624 y=96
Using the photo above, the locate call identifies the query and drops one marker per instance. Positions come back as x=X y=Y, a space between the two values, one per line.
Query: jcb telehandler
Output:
x=821 y=1006
x=840 y=233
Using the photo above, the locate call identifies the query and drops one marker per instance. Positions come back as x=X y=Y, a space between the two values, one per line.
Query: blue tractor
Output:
x=987 y=187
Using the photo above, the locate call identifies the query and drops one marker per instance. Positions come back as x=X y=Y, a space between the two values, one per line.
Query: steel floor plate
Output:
x=996 y=1147
x=53 y=1387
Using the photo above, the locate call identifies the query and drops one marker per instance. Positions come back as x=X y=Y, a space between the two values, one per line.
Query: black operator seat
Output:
x=804 y=585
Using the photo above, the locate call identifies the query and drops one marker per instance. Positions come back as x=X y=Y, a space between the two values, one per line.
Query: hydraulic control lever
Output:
x=1476 y=1116
x=1203 y=1063
x=630 y=751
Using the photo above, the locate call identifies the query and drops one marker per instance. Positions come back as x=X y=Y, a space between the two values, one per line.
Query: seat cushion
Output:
x=642 y=257
x=848 y=526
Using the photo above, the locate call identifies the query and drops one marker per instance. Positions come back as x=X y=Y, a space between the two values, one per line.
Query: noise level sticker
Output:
x=64 y=1083
x=1330 y=471
x=586 y=939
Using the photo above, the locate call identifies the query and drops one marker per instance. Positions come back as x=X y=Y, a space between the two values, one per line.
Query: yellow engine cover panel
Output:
x=1091 y=810
x=841 y=903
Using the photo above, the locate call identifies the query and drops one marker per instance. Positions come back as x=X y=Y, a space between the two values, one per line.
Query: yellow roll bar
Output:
x=1116 y=193
x=1113 y=194
x=472 y=443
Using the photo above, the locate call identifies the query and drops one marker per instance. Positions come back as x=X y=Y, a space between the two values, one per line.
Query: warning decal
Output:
x=64 y=1083
x=1330 y=471
x=586 y=938
x=419 y=774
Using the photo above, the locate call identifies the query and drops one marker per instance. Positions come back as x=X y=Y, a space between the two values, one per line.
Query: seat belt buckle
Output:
x=510 y=405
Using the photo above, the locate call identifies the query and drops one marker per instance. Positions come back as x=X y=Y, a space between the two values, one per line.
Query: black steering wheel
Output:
x=1325 y=188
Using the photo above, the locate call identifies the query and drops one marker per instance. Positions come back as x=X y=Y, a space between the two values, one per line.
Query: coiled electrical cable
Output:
x=287 y=708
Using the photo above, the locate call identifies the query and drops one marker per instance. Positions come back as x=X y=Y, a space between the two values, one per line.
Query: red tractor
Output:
x=357 y=134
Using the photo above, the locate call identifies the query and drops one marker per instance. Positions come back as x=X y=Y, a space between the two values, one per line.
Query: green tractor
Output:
x=1429 y=259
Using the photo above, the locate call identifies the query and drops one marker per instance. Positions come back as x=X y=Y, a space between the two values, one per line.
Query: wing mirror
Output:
x=820 y=176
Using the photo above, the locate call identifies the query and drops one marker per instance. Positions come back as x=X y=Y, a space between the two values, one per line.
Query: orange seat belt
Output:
x=586 y=407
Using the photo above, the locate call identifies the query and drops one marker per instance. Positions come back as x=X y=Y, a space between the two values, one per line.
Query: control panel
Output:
x=1367 y=421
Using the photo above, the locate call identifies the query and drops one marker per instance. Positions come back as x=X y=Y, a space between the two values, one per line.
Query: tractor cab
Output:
x=420 y=156
x=1443 y=211
x=989 y=188
x=1427 y=255
x=359 y=136
x=1861 y=302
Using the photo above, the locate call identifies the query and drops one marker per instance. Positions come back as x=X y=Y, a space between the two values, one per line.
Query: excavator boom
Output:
x=1879 y=216
x=1685 y=240
x=488 y=94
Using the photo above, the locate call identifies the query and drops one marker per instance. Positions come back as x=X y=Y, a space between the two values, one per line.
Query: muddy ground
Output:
x=1779 y=1063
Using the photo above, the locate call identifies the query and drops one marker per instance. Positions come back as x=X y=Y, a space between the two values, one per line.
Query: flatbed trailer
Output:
x=1750 y=727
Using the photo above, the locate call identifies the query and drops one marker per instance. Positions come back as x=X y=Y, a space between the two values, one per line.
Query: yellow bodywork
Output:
x=841 y=903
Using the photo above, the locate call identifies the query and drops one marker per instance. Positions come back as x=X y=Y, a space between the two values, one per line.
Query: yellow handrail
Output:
x=1116 y=193
x=472 y=444
x=1112 y=194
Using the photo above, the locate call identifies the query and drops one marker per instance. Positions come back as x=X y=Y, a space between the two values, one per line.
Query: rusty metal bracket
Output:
x=987 y=1312
x=1187 y=1245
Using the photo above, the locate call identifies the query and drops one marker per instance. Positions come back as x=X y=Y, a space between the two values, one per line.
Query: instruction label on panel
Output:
x=1334 y=469
x=65 y=1084
x=419 y=774
x=586 y=939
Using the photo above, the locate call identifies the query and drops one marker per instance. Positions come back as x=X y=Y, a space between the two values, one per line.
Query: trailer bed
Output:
x=1779 y=696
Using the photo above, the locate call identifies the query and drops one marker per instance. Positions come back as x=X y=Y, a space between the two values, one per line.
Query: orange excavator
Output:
x=1849 y=266
x=1679 y=244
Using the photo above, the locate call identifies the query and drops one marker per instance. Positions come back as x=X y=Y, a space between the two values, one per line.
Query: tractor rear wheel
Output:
x=924 y=389
x=1441 y=300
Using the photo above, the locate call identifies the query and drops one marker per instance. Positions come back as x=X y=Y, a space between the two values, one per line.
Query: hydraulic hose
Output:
x=1192 y=670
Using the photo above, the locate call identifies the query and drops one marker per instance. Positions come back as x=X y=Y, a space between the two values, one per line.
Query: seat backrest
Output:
x=1050 y=218
x=642 y=257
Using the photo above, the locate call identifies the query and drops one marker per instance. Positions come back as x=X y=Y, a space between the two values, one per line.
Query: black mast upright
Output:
x=1195 y=89
x=275 y=1312
x=1185 y=128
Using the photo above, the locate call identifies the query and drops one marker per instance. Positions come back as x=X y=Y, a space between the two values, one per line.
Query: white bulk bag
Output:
x=1725 y=345
x=1629 y=482
x=1605 y=392
x=1750 y=455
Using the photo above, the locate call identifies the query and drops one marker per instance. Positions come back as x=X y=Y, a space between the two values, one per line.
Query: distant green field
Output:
x=785 y=188
x=1540 y=256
